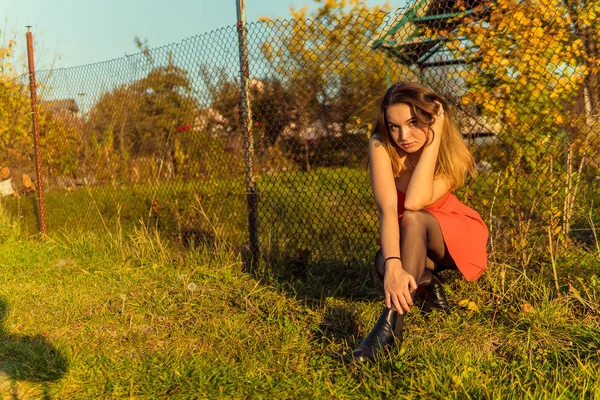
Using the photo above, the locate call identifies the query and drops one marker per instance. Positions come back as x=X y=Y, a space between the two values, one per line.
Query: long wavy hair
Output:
x=454 y=160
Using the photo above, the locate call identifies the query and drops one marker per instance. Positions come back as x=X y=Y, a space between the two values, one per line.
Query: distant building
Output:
x=61 y=107
x=315 y=130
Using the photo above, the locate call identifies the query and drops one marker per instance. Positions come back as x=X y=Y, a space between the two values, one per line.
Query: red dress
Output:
x=465 y=233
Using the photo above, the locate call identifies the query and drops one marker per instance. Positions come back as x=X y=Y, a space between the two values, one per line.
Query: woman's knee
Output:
x=413 y=220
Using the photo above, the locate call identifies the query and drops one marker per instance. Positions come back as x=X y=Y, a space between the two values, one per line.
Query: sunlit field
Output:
x=153 y=296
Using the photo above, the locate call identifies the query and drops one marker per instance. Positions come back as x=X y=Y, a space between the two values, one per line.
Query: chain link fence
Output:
x=157 y=138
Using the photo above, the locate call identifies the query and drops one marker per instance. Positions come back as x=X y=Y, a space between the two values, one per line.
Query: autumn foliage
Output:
x=533 y=66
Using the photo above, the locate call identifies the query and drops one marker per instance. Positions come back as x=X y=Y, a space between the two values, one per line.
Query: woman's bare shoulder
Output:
x=375 y=136
x=375 y=141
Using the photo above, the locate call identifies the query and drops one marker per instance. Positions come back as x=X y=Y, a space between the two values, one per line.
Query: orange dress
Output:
x=464 y=231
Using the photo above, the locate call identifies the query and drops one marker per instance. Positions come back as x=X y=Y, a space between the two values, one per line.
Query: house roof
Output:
x=61 y=105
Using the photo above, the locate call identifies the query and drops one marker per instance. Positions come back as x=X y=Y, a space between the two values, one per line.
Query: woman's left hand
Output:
x=437 y=125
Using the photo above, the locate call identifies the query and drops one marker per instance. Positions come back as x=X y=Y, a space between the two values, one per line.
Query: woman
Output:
x=417 y=158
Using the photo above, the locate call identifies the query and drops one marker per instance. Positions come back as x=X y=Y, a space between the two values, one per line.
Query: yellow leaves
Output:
x=526 y=308
x=555 y=59
x=6 y=53
x=560 y=119
x=523 y=80
x=464 y=73
x=538 y=32
x=504 y=4
x=590 y=13
x=535 y=93
x=535 y=41
x=454 y=43
x=335 y=4
x=563 y=81
x=540 y=85
x=520 y=17
x=510 y=117
x=466 y=99
x=299 y=13
x=577 y=46
x=529 y=59
x=468 y=304
x=503 y=62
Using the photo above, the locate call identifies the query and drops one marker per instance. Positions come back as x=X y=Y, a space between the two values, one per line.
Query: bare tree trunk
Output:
x=307 y=155
x=589 y=128
x=568 y=195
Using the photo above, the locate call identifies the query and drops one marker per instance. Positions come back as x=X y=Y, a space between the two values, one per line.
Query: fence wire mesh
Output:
x=157 y=137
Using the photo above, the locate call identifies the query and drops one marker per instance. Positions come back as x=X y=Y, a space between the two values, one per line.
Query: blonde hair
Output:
x=454 y=160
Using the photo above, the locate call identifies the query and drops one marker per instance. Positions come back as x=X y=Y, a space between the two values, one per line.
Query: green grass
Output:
x=135 y=315
x=104 y=308
x=325 y=214
x=175 y=209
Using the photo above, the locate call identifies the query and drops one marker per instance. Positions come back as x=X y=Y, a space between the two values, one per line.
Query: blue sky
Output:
x=76 y=32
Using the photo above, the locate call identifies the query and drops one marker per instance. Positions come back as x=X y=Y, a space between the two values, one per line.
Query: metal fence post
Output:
x=36 y=137
x=251 y=191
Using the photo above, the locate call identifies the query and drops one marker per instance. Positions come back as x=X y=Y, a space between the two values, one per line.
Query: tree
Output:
x=60 y=139
x=334 y=79
x=15 y=124
x=271 y=109
x=270 y=102
x=14 y=109
x=534 y=65
x=327 y=58
x=7 y=51
x=224 y=115
x=528 y=61
x=143 y=119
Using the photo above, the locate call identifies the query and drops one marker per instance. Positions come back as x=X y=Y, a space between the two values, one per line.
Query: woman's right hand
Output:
x=398 y=286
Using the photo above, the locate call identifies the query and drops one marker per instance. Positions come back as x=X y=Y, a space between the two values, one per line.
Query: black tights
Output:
x=421 y=246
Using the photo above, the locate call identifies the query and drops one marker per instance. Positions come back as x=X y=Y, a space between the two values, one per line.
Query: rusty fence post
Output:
x=251 y=190
x=36 y=137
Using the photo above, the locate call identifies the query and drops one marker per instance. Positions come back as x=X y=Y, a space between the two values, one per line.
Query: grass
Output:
x=324 y=214
x=136 y=315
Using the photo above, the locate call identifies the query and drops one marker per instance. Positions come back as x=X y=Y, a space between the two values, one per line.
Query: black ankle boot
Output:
x=434 y=297
x=386 y=332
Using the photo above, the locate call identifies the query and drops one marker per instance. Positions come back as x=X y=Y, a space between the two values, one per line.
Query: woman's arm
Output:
x=423 y=189
x=398 y=283
x=386 y=198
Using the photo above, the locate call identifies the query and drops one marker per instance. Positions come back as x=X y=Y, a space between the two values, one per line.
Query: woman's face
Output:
x=404 y=128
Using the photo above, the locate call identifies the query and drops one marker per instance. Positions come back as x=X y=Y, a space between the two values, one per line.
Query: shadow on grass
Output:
x=28 y=358
x=332 y=287
x=329 y=286
x=313 y=281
